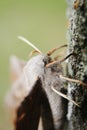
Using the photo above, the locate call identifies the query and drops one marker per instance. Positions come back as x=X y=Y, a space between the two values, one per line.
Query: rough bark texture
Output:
x=77 y=65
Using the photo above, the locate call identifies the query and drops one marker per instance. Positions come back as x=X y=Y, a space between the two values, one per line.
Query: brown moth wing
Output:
x=36 y=104
x=28 y=113
x=46 y=113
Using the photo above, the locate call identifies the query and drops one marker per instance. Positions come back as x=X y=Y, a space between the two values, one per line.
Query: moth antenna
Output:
x=32 y=52
x=29 y=43
x=64 y=96
x=73 y=80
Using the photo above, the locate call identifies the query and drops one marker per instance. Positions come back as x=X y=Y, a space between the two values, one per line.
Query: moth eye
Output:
x=47 y=60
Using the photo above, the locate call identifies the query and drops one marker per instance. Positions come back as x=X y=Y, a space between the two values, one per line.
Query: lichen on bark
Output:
x=77 y=65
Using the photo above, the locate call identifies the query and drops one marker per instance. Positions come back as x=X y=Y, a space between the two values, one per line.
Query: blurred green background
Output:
x=43 y=22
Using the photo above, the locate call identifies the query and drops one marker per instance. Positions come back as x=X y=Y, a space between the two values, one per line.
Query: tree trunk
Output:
x=77 y=65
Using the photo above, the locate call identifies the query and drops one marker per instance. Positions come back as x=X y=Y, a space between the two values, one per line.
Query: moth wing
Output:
x=28 y=114
x=16 y=68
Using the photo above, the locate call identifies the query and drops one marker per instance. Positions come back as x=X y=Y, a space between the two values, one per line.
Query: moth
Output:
x=38 y=92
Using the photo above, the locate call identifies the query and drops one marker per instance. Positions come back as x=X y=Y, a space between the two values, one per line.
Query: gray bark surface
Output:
x=77 y=65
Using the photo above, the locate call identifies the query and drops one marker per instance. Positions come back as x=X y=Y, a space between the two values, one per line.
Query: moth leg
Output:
x=55 y=62
x=32 y=52
x=49 y=53
x=59 y=55
x=73 y=80
x=71 y=54
x=52 y=63
x=64 y=96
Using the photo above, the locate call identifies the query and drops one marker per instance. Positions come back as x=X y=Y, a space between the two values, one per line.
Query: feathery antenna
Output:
x=29 y=43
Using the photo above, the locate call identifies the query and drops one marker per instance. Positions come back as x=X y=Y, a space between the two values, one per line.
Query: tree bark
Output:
x=77 y=65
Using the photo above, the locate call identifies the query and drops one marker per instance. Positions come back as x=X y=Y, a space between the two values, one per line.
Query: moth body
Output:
x=24 y=86
x=49 y=77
